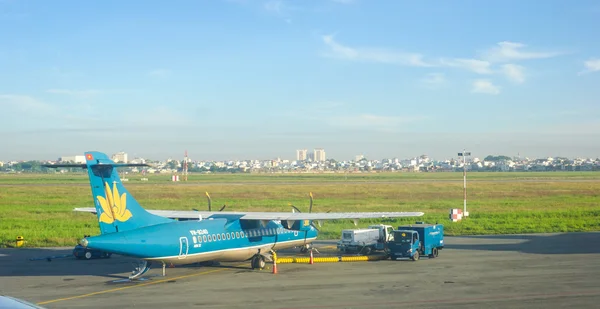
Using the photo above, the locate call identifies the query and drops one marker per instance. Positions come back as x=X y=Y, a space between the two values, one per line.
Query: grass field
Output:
x=39 y=207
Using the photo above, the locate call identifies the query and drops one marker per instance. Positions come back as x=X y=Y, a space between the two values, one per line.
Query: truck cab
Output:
x=414 y=241
x=405 y=245
x=385 y=235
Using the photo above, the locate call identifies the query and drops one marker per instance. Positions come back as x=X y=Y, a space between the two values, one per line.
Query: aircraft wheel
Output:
x=88 y=255
x=258 y=261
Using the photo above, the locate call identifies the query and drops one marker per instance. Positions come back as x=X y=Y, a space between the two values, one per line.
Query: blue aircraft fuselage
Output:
x=185 y=242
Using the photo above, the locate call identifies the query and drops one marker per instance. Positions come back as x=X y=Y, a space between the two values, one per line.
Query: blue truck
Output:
x=416 y=240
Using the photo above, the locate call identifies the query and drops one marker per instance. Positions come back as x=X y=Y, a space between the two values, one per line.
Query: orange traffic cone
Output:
x=311 y=261
x=274 y=266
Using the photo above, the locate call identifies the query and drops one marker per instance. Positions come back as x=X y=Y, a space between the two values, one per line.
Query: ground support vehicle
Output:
x=365 y=241
x=416 y=240
x=83 y=253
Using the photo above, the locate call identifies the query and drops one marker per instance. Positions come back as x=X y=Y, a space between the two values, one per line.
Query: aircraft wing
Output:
x=288 y=216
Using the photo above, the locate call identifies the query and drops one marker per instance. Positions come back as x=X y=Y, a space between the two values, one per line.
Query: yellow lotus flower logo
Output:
x=114 y=206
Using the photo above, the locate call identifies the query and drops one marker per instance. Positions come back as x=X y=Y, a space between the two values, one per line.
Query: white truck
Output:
x=364 y=241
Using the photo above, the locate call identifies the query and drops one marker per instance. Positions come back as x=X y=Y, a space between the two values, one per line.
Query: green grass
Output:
x=499 y=203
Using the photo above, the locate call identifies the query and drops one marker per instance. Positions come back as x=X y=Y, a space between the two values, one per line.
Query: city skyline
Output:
x=232 y=79
x=124 y=155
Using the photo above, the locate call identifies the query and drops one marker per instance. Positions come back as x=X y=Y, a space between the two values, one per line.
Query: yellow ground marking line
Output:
x=327 y=247
x=131 y=286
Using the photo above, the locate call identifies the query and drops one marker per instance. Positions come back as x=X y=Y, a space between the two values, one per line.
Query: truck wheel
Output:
x=415 y=257
x=367 y=250
x=434 y=253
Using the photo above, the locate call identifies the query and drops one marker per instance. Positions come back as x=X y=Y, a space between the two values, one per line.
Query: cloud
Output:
x=159 y=73
x=591 y=65
x=474 y=65
x=434 y=79
x=75 y=93
x=274 y=6
x=514 y=72
x=337 y=50
x=23 y=103
x=511 y=51
x=485 y=86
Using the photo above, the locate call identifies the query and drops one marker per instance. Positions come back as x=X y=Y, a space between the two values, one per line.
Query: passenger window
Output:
x=237 y=234
x=218 y=236
x=204 y=238
x=214 y=237
x=228 y=236
x=209 y=238
x=199 y=238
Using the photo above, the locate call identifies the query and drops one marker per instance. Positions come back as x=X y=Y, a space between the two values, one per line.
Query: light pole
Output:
x=464 y=154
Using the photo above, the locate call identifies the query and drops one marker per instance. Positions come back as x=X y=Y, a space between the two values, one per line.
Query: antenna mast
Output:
x=185 y=166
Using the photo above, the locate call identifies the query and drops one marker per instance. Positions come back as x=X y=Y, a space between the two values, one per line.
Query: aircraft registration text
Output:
x=199 y=232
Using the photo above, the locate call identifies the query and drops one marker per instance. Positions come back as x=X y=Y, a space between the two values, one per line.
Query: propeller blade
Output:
x=295 y=208
x=311 y=202
x=209 y=201
x=222 y=207
x=313 y=225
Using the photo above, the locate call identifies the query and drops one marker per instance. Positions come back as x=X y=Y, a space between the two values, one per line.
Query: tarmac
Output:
x=512 y=271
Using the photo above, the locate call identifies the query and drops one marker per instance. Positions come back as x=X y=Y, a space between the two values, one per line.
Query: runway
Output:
x=513 y=271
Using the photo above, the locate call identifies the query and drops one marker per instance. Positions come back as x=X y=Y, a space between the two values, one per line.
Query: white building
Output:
x=319 y=155
x=120 y=157
x=73 y=159
x=301 y=154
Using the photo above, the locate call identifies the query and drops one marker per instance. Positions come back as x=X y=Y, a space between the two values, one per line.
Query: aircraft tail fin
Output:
x=116 y=209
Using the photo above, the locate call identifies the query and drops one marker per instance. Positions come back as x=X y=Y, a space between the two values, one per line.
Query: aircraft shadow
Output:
x=564 y=243
x=18 y=263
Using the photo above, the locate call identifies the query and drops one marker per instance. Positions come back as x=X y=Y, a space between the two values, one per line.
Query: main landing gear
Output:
x=259 y=260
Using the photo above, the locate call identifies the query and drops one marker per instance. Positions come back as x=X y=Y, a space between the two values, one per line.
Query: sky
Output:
x=252 y=79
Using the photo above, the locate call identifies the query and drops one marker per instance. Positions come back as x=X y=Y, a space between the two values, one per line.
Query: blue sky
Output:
x=239 y=79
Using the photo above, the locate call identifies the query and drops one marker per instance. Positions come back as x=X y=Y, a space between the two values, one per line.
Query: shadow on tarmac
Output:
x=566 y=243
x=16 y=263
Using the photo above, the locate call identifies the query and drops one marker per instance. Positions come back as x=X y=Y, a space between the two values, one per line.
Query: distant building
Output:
x=319 y=154
x=1 y=164
x=73 y=159
x=301 y=154
x=358 y=158
x=120 y=157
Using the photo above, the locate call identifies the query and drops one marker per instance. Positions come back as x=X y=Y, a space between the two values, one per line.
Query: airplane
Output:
x=185 y=237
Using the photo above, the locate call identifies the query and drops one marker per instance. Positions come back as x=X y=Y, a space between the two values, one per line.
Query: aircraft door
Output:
x=183 y=247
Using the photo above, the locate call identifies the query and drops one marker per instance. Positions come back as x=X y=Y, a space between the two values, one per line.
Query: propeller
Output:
x=210 y=203
x=295 y=209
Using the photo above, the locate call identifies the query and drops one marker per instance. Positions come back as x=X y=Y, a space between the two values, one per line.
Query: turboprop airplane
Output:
x=186 y=237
